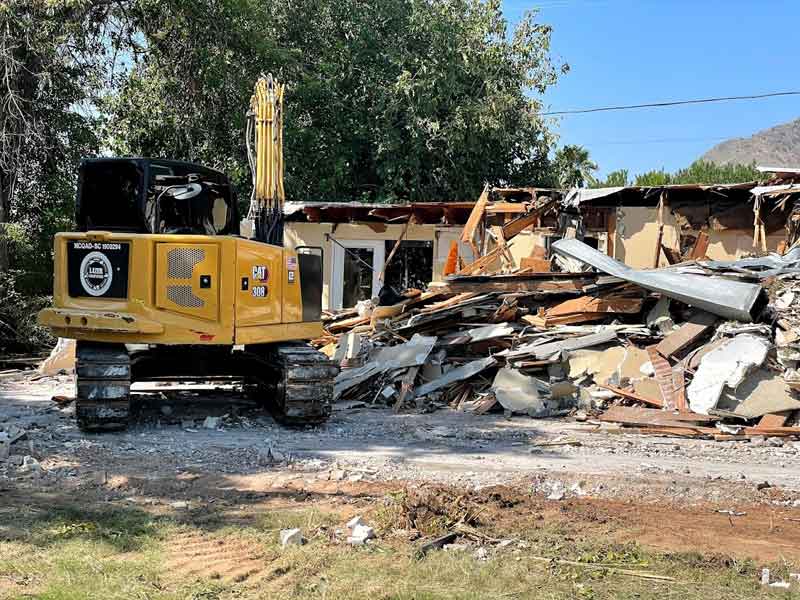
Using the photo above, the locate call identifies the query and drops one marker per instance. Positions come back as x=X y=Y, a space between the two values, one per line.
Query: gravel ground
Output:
x=169 y=439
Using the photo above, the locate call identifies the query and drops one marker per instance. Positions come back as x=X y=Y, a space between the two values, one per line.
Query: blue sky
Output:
x=639 y=51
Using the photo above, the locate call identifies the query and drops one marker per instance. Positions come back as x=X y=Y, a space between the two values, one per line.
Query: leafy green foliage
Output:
x=19 y=331
x=614 y=179
x=701 y=172
x=53 y=56
x=573 y=166
x=396 y=99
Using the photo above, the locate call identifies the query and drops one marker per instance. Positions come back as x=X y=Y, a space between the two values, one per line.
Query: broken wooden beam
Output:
x=687 y=333
x=474 y=219
x=631 y=395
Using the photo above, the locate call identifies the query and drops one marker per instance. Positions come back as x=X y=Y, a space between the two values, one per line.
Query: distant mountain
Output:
x=777 y=146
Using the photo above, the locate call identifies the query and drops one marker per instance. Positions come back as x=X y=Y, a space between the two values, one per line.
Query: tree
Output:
x=406 y=99
x=614 y=179
x=52 y=55
x=573 y=166
x=701 y=172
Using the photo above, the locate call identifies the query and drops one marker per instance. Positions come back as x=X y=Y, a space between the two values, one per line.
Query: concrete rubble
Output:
x=698 y=349
x=291 y=537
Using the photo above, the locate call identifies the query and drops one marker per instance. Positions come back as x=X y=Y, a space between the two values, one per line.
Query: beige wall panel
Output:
x=637 y=232
x=731 y=244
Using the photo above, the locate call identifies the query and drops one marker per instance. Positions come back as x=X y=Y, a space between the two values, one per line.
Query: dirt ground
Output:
x=663 y=493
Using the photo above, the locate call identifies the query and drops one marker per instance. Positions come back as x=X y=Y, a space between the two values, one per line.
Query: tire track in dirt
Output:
x=230 y=560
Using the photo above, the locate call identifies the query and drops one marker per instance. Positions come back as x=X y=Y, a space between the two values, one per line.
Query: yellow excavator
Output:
x=158 y=283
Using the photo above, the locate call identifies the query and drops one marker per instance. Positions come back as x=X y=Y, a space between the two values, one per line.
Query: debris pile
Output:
x=700 y=348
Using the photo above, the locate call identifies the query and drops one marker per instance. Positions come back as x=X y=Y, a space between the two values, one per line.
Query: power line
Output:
x=672 y=103
x=655 y=141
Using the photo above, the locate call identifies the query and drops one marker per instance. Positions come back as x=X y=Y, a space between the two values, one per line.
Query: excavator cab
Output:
x=143 y=195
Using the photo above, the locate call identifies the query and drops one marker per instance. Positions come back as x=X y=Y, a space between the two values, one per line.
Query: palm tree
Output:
x=574 y=167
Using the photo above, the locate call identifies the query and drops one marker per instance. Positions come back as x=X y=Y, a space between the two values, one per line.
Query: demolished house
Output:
x=655 y=310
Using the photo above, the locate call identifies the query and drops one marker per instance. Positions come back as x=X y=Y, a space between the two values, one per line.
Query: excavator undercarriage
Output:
x=292 y=380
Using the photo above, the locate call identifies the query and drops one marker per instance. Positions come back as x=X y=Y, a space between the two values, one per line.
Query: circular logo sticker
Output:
x=96 y=273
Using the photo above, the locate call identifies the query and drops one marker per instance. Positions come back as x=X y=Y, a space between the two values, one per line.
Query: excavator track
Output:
x=103 y=382
x=302 y=390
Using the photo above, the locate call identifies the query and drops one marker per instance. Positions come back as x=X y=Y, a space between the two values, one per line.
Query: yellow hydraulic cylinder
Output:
x=266 y=106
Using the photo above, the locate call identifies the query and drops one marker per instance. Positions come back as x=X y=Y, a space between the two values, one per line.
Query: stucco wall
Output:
x=731 y=244
x=637 y=231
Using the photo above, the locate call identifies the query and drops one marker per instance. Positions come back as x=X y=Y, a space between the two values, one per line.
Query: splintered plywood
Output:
x=475 y=218
x=592 y=304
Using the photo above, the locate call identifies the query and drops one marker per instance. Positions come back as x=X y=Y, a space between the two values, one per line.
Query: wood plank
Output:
x=774 y=420
x=475 y=219
x=700 y=246
x=676 y=341
x=346 y=324
x=522 y=222
x=394 y=249
x=501 y=243
x=683 y=432
x=632 y=415
x=631 y=395
x=774 y=431
x=477 y=266
x=594 y=304
x=455 y=300
x=679 y=382
x=537 y=265
x=496 y=208
x=510 y=285
x=611 y=233
x=545 y=321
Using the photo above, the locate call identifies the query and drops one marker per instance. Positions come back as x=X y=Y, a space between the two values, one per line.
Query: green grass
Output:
x=121 y=553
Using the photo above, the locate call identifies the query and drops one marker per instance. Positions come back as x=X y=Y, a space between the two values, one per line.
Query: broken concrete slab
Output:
x=517 y=392
x=413 y=353
x=727 y=365
x=762 y=393
x=618 y=363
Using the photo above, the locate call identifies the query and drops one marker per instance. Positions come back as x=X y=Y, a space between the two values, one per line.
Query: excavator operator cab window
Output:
x=109 y=196
x=142 y=195
x=190 y=204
